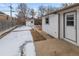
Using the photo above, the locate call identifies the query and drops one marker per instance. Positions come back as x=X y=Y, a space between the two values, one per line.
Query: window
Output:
x=70 y=20
x=47 y=20
x=31 y=21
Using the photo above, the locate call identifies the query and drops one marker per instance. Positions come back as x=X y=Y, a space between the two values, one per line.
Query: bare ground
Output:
x=53 y=47
x=36 y=36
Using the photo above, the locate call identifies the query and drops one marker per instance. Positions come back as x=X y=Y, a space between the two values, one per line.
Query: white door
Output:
x=70 y=26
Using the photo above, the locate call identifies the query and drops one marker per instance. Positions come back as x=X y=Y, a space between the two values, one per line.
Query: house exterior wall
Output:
x=62 y=20
x=44 y=25
x=52 y=27
x=3 y=17
x=78 y=26
x=30 y=22
x=62 y=24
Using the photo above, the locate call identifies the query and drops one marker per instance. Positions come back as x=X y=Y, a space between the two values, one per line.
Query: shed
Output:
x=63 y=24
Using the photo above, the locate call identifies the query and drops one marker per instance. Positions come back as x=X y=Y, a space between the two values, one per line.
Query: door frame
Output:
x=59 y=26
x=75 y=25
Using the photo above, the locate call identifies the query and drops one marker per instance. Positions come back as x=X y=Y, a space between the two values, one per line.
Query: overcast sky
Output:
x=4 y=7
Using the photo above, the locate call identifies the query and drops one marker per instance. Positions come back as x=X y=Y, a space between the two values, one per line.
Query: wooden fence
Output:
x=6 y=22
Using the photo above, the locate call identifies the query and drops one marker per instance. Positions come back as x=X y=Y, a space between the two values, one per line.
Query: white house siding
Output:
x=78 y=27
x=52 y=27
x=32 y=22
x=62 y=25
x=44 y=26
x=53 y=30
x=61 y=20
x=28 y=23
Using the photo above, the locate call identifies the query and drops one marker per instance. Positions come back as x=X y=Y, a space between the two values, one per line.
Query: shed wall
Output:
x=52 y=27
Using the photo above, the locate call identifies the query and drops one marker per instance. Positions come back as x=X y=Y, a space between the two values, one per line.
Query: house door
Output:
x=70 y=26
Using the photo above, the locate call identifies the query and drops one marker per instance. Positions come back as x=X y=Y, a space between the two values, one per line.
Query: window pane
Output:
x=70 y=20
x=70 y=23
x=47 y=21
x=70 y=17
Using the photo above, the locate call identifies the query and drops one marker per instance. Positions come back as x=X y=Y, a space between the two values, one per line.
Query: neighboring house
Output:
x=30 y=22
x=63 y=24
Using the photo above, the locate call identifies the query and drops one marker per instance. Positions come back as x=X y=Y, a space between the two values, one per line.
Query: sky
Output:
x=4 y=7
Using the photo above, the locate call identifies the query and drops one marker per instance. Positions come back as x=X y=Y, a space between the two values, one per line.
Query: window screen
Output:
x=70 y=20
x=47 y=20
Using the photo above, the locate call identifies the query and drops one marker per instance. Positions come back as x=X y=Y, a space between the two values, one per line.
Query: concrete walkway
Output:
x=18 y=42
x=55 y=47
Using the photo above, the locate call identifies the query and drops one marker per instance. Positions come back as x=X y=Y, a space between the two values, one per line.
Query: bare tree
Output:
x=41 y=10
x=66 y=4
x=50 y=9
x=22 y=7
x=32 y=13
x=22 y=10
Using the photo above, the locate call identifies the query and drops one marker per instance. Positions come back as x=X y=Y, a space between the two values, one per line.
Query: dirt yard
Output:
x=36 y=36
x=53 y=47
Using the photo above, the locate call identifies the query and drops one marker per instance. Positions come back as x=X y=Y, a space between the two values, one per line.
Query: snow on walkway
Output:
x=23 y=28
x=10 y=44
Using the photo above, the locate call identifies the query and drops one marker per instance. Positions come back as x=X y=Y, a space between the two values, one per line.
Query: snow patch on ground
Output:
x=9 y=45
x=23 y=28
x=29 y=49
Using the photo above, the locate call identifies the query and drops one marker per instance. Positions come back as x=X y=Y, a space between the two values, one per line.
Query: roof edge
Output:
x=68 y=7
